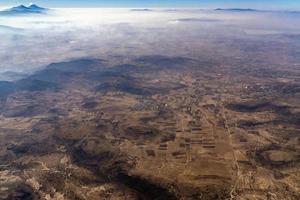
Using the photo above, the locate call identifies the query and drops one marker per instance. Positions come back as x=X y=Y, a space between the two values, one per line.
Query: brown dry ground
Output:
x=157 y=128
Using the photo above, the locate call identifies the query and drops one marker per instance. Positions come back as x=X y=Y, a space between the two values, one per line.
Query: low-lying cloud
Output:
x=28 y=43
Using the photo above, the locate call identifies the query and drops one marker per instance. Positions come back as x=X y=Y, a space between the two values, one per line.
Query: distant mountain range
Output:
x=22 y=10
x=237 y=9
x=254 y=10
x=142 y=9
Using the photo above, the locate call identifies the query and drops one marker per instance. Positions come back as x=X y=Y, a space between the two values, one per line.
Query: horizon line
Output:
x=156 y=7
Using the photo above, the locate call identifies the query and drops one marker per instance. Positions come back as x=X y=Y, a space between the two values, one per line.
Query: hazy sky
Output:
x=260 y=4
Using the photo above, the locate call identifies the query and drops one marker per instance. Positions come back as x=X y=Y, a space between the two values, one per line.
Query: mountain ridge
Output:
x=21 y=10
x=237 y=9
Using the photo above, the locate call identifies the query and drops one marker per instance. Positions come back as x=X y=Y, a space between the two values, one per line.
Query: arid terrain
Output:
x=153 y=127
x=101 y=104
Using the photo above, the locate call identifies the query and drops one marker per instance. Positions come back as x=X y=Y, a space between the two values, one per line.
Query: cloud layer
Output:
x=29 y=43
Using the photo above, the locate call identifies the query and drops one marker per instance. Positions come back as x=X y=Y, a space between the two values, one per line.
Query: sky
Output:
x=258 y=4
